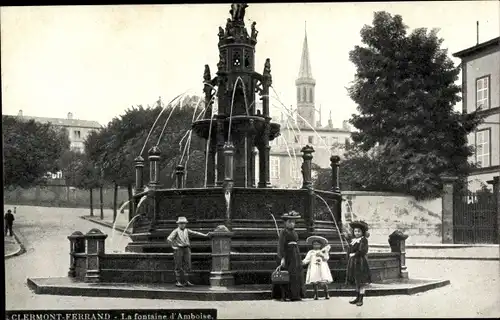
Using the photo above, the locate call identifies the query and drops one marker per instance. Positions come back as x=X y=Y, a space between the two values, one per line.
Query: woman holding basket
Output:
x=290 y=260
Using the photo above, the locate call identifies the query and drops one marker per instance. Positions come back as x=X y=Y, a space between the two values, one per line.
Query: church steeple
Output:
x=305 y=71
x=305 y=89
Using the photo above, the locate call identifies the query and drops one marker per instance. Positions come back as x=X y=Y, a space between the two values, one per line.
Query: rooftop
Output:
x=65 y=122
x=478 y=48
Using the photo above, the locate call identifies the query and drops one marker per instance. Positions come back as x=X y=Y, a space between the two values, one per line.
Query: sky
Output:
x=97 y=61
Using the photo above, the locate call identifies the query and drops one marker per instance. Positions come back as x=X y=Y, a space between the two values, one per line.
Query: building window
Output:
x=483 y=148
x=324 y=140
x=310 y=95
x=334 y=141
x=77 y=134
x=298 y=94
x=483 y=92
x=303 y=94
x=296 y=139
x=275 y=168
x=295 y=172
x=310 y=139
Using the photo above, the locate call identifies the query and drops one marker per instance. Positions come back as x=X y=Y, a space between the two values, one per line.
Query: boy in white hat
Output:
x=179 y=239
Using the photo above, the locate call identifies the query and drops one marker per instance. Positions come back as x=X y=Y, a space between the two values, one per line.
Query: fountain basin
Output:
x=249 y=217
x=240 y=124
x=247 y=268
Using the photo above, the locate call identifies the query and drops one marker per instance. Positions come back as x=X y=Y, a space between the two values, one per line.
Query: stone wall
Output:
x=385 y=212
x=62 y=196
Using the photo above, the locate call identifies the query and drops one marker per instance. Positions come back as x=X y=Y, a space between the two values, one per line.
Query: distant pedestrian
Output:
x=358 y=271
x=179 y=239
x=318 y=271
x=9 y=222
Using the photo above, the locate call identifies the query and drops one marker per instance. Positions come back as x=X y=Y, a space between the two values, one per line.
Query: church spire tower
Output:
x=305 y=84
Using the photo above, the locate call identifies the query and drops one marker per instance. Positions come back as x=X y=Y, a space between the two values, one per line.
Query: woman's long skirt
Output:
x=295 y=289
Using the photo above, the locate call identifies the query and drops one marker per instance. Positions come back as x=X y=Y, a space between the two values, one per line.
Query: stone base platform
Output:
x=70 y=287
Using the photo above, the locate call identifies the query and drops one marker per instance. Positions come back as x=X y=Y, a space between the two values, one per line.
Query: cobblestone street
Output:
x=474 y=289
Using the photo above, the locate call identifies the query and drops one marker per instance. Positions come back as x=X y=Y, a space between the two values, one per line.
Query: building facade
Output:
x=481 y=90
x=78 y=130
x=300 y=127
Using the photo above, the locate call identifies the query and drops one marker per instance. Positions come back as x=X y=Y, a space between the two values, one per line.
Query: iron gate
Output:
x=475 y=218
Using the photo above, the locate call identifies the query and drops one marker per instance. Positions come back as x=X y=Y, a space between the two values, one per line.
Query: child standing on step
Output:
x=318 y=271
x=358 y=271
x=179 y=239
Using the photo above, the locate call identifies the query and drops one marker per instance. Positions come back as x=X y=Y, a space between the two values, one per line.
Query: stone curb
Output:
x=103 y=223
x=40 y=286
x=455 y=258
x=438 y=246
x=20 y=251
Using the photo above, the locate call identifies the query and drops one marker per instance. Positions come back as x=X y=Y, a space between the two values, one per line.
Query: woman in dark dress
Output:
x=288 y=253
x=358 y=271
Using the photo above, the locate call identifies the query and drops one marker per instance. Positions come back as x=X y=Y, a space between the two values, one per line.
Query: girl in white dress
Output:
x=318 y=272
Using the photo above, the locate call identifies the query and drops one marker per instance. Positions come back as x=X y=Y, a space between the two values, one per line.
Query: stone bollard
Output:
x=76 y=245
x=95 y=250
x=221 y=275
x=397 y=241
x=179 y=174
x=307 y=156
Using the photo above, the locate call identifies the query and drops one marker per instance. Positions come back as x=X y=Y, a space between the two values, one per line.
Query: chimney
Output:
x=345 y=125
x=70 y=116
x=20 y=113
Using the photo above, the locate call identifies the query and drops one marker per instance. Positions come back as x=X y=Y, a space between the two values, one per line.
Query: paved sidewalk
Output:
x=13 y=246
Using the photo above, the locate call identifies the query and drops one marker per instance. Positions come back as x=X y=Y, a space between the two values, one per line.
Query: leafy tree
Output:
x=360 y=170
x=124 y=137
x=31 y=149
x=95 y=146
x=405 y=91
x=87 y=177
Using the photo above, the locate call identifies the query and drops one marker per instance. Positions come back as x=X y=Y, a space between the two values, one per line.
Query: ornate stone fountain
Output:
x=236 y=210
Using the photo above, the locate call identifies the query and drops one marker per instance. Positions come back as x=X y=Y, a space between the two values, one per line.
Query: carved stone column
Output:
x=253 y=156
x=307 y=156
x=179 y=176
x=220 y=150
x=139 y=174
x=447 y=201
x=212 y=151
x=228 y=179
x=95 y=250
x=397 y=241
x=334 y=164
x=220 y=274
x=154 y=167
x=264 y=156
x=76 y=245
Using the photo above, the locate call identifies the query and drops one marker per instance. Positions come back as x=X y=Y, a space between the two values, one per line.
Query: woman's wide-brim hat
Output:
x=319 y=239
x=359 y=224
x=182 y=220
x=292 y=215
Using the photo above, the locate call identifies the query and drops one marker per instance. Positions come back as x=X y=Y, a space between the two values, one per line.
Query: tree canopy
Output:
x=408 y=133
x=31 y=150
x=116 y=146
